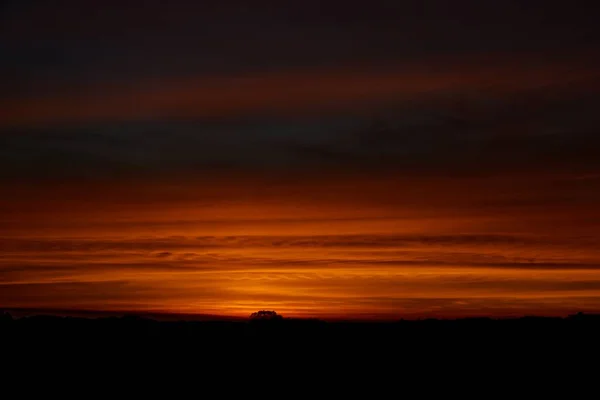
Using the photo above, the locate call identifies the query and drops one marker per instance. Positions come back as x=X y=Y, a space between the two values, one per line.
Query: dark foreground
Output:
x=403 y=352
x=573 y=334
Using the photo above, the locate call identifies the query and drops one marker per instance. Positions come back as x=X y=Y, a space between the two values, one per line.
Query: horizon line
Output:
x=22 y=312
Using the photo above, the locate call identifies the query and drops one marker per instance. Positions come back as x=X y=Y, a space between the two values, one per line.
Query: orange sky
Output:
x=382 y=159
x=371 y=247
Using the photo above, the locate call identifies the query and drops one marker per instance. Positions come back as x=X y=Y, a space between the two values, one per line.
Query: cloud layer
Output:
x=358 y=248
x=387 y=159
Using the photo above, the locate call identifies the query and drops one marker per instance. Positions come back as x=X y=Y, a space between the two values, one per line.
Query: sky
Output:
x=331 y=159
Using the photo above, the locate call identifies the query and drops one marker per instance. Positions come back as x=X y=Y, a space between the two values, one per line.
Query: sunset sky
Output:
x=376 y=160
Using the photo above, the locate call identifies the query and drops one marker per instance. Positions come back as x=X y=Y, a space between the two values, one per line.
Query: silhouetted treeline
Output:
x=293 y=348
x=474 y=333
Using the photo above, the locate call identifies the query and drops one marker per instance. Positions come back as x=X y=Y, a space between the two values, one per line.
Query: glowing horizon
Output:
x=375 y=248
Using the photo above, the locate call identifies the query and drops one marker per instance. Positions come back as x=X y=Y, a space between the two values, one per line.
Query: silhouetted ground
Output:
x=433 y=351
x=569 y=335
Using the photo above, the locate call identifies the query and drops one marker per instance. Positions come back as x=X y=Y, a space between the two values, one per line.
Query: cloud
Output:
x=441 y=131
x=25 y=258
x=209 y=243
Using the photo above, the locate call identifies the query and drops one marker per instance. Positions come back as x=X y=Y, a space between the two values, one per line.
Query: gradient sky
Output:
x=380 y=159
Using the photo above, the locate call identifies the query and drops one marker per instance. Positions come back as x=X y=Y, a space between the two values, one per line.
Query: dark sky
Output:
x=327 y=158
x=130 y=87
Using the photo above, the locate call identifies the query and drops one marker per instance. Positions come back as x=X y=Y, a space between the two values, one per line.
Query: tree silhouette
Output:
x=265 y=315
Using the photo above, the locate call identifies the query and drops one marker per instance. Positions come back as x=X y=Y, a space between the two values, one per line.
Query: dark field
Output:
x=433 y=355
x=476 y=335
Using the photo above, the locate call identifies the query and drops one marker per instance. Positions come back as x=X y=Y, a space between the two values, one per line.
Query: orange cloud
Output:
x=377 y=248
